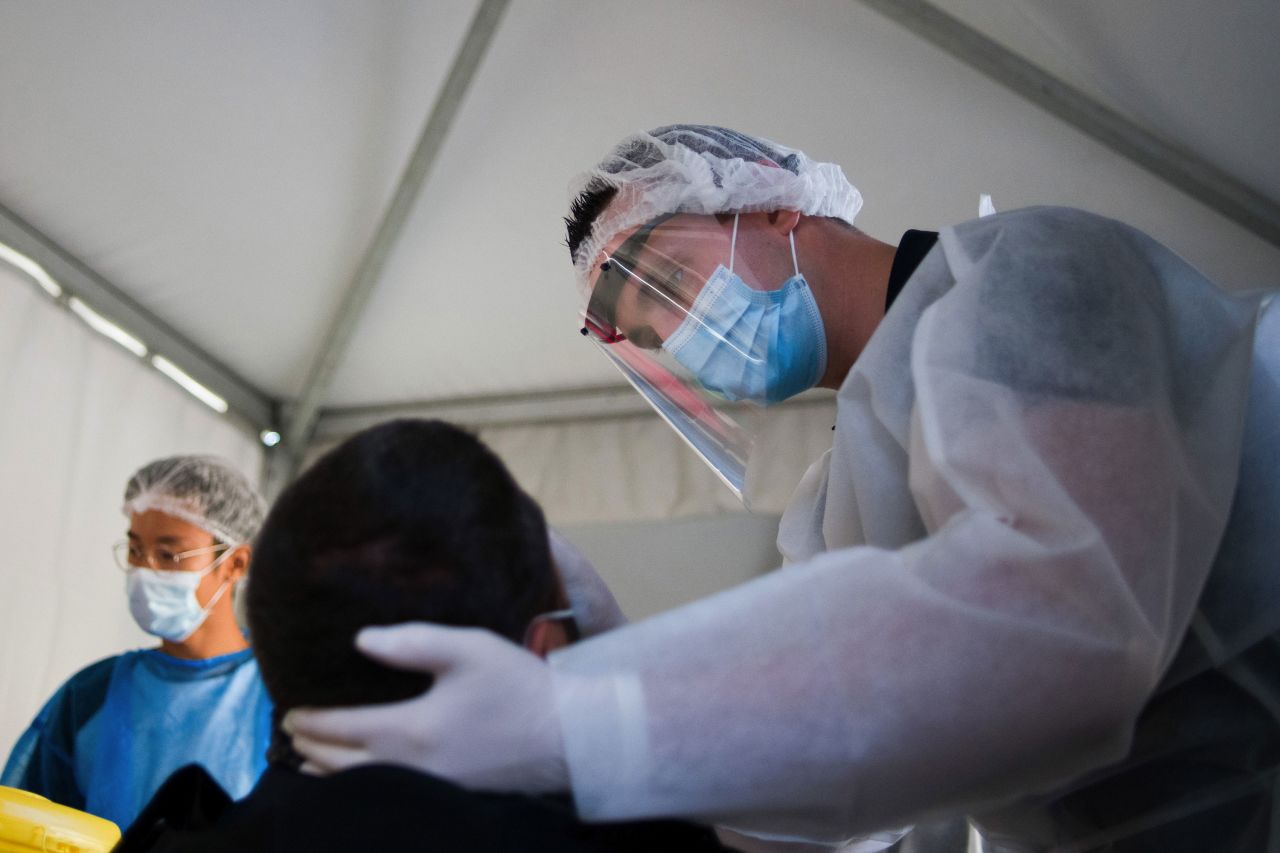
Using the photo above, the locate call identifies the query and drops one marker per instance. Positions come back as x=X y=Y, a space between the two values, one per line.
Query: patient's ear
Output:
x=545 y=636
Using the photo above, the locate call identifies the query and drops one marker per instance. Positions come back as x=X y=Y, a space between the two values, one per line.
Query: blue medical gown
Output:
x=114 y=731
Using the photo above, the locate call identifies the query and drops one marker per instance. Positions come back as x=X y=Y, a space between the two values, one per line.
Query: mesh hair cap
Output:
x=201 y=490
x=691 y=168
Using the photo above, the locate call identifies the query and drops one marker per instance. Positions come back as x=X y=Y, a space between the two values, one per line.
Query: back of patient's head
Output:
x=408 y=521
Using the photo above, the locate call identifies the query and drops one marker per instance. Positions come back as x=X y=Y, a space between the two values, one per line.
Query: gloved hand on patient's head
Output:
x=488 y=722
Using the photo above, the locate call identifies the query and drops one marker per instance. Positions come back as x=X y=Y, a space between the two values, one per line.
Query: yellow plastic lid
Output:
x=30 y=822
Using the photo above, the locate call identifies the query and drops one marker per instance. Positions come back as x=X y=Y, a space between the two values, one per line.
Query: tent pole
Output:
x=1196 y=177
x=301 y=424
x=251 y=409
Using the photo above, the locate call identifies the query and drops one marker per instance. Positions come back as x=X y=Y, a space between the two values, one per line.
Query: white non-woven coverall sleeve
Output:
x=1074 y=468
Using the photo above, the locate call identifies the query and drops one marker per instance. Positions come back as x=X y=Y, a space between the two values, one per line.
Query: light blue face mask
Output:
x=164 y=603
x=758 y=345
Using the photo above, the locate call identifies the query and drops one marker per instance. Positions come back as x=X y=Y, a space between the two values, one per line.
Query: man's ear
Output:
x=545 y=637
x=785 y=221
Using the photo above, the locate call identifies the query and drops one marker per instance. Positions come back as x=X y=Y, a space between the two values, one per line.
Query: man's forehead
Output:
x=661 y=233
x=163 y=527
x=634 y=238
x=612 y=247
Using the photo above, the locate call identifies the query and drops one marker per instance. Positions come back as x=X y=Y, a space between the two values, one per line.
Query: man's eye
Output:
x=668 y=281
x=665 y=291
x=164 y=556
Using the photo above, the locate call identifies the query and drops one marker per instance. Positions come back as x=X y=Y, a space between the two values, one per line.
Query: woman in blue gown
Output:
x=114 y=731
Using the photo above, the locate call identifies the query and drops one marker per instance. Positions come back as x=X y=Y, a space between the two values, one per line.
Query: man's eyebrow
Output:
x=169 y=540
x=160 y=540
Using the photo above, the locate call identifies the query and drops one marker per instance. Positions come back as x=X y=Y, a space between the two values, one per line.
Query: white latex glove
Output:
x=488 y=721
x=594 y=607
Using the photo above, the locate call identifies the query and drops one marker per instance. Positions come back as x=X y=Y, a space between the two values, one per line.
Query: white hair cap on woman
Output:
x=693 y=168
x=202 y=490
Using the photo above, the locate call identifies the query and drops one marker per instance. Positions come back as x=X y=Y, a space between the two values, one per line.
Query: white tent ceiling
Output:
x=226 y=165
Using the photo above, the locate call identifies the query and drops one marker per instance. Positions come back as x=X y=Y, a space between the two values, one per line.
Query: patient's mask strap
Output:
x=733 y=242
x=549 y=616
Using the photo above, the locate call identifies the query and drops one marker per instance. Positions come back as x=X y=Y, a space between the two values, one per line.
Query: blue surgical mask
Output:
x=747 y=344
x=164 y=603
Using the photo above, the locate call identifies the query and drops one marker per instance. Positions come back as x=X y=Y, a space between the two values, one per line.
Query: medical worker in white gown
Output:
x=1035 y=581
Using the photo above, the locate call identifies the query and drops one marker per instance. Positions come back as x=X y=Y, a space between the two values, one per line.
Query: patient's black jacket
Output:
x=380 y=807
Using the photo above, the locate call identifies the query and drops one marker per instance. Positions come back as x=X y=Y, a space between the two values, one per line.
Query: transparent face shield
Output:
x=707 y=317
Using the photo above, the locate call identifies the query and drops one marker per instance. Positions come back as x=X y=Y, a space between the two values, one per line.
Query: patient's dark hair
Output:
x=408 y=521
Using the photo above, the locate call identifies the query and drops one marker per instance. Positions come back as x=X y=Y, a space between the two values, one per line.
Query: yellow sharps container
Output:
x=30 y=822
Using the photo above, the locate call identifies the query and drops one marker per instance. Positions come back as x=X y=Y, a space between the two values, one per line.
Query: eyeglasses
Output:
x=129 y=555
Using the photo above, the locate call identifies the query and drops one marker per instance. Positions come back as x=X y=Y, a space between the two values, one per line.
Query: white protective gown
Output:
x=993 y=569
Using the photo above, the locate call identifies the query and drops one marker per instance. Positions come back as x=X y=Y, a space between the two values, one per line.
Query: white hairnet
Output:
x=201 y=490
x=692 y=168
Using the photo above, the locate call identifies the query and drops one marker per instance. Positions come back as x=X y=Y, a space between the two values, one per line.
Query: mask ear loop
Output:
x=733 y=242
x=208 y=608
x=733 y=246
x=222 y=587
x=553 y=615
